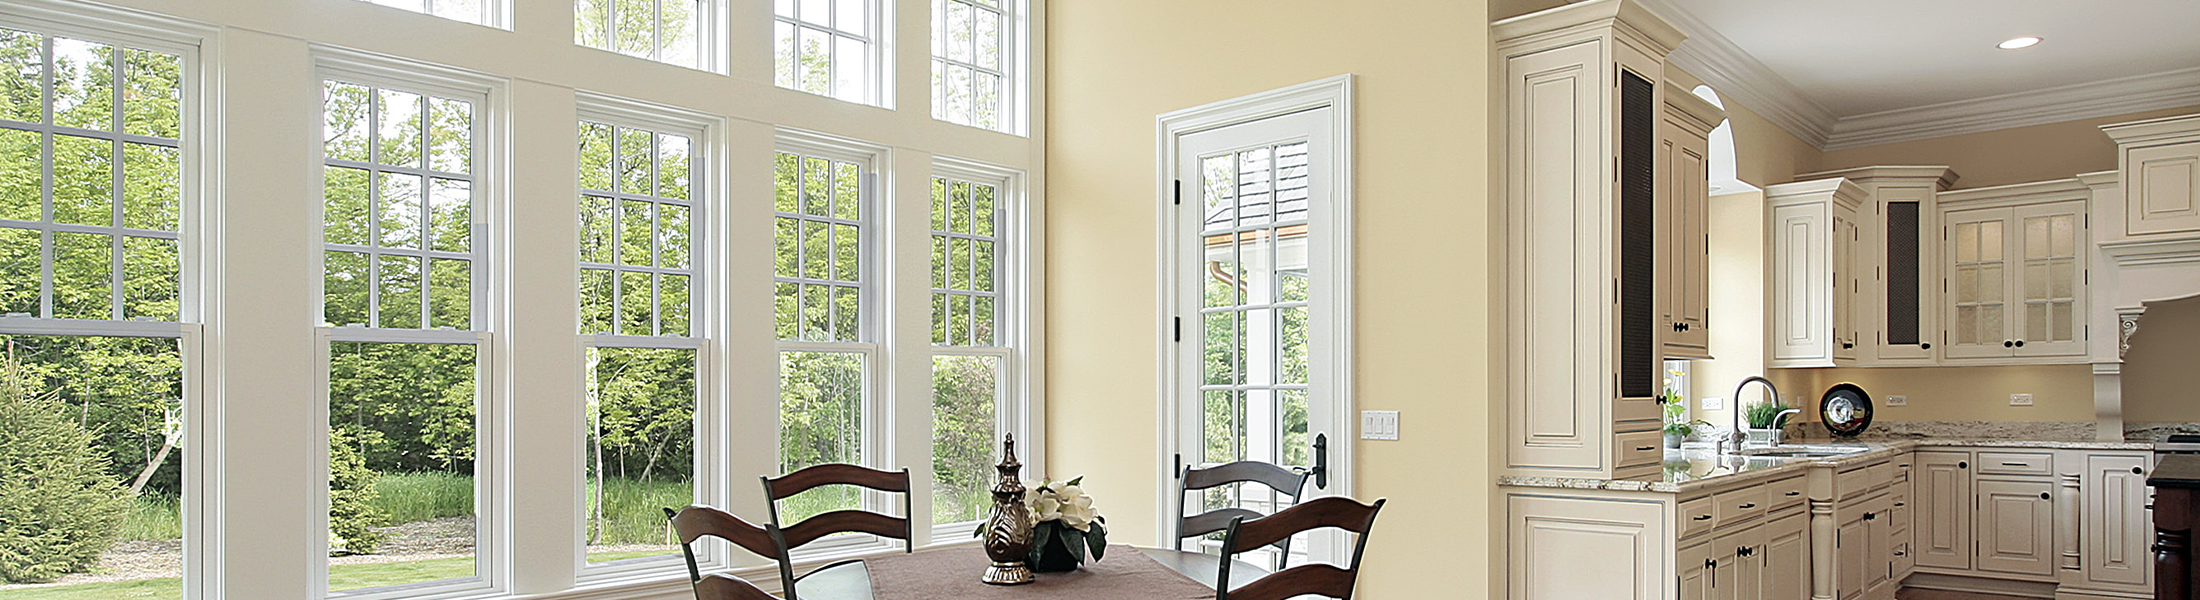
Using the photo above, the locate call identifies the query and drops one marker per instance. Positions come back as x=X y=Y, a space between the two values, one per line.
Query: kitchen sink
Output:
x=1803 y=451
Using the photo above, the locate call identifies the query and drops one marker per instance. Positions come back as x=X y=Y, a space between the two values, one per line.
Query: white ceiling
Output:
x=1857 y=57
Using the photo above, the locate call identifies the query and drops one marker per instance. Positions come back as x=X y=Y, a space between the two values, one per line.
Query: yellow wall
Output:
x=2017 y=155
x=2160 y=381
x=1422 y=207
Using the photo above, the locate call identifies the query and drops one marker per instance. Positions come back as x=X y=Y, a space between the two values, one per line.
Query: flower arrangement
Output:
x=1064 y=526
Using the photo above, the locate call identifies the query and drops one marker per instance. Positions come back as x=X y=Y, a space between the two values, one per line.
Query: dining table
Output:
x=1128 y=572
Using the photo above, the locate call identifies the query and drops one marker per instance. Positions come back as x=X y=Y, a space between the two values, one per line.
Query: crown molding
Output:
x=1734 y=73
x=2109 y=97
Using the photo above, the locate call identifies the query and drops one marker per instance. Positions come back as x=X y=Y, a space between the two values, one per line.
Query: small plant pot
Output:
x=1762 y=437
x=1055 y=556
x=1673 y=440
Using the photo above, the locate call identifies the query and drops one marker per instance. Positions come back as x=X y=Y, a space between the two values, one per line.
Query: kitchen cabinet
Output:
x=1740 y=561
x=1811 y=272
x=1897 y=312
x=2160 y=163
x=1697 y=572
x=2110 y=525
x=1581 y=102
x=2016 y=527
x=1943 y=495
x=1684 y=224
x=1550 y=537
x=1787 y=558
x=2014 y=273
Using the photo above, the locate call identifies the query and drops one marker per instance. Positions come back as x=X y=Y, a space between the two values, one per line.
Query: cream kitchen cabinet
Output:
x=2016 y=527
x=1787 y=558
x=1581 y=103
x=2105 y=525
x=1811 y=270
x=2160 y=160
x=1684 y=224
x=1943 y=497
x=1897 y=310
x=2014 y=273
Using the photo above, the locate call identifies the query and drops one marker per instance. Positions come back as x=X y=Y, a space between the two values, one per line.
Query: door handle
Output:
x=1321 y=461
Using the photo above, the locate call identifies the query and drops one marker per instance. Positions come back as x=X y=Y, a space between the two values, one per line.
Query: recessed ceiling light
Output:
x=2018 y=42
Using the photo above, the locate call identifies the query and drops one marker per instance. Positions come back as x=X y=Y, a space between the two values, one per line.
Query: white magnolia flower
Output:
x=1053 y=501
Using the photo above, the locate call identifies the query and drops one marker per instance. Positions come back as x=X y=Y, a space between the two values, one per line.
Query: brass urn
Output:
x=1008 y=531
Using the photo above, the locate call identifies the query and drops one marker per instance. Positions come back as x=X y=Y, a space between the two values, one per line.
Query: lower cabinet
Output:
x=1943 y=493
x=2016 y=527
x=1698 y=572
x=1740 y=564
x=2113 y=520
x=1787 y=558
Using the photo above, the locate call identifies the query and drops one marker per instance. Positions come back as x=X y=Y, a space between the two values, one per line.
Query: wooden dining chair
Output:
x=1317 y=579
x=696 y=522
x=1287 y=483
x=789 y=537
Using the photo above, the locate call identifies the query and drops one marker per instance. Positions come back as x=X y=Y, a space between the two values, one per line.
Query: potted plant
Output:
x=1765 y=419
x=1064 y=526
x=1678 y=427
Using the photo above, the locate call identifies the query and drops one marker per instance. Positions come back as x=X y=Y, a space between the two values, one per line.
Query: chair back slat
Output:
x=784 y=486
x=1214 y=520
x=723 y=587
x=1314 y=579
x=1281 y=479
x=697 y=521
x=1334 y=511
x=839 y=521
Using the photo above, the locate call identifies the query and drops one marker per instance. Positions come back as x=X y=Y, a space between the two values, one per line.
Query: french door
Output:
x=1255 y=346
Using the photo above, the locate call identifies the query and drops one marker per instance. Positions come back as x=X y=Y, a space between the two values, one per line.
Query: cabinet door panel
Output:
x=2116 y=529
x=2016 y=527
x=2165 y=188
x=1977 y=270
x=1852 y=544
x=1942 y=491
x=1787 y=558
x=1906 y=318
x=1844 y=283
x=2050 y=286
x=1695 y=572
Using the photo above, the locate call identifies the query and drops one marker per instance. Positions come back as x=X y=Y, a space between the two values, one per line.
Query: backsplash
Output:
x=2014 y=430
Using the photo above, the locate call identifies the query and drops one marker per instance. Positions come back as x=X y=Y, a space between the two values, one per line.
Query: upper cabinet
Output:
x=1811 y=272
x=2014 y=273
x=1684 y=226
x=1581 y=107
x=1897 y=307
x=2160 y=163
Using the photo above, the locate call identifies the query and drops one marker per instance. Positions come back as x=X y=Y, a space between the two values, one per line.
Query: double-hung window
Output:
x=972 y=353
x=824 y=314
x=828 y=47
x=639 y=282
x=478 y=12
x=406 y=311
x=96 y=345
x=676 y=32
x=972 y=62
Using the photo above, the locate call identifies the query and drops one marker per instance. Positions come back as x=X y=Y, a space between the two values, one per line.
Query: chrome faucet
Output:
x=1735 y=409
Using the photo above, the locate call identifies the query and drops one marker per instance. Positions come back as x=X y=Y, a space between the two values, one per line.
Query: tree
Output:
x=351 y=513
x=61 y=509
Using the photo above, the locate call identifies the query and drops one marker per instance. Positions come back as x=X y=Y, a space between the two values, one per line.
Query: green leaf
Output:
x=980 y=532
x=1040 y=535
x=1079 y=481
x=1075 y=540
x=1098 y=539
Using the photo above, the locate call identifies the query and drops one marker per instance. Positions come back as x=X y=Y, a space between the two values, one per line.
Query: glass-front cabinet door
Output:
x=1977 y=284
x=2051 y=316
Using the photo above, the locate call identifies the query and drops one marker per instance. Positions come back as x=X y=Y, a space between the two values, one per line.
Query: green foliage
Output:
x=153 y=517
x=1763 y=414
x=963 y=436
x=62 y=510
x=634 y=510
x=351 y=493
x=1678 y=423
x=411 y=497
x=406 y=408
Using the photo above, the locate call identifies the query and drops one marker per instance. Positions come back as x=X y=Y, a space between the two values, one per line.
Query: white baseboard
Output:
x=1980 y=585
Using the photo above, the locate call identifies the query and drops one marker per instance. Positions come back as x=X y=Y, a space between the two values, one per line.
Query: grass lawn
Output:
x=340 y=577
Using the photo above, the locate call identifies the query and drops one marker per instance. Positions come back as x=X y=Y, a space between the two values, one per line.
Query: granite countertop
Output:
x=1698 y=466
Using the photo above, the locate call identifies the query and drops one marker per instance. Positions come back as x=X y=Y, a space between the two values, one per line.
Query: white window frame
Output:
x=1012 y=400
x=710 y=35
x=201 y=447
x=878 y=83
x=495 y=14
x=872 y=332
x=1015 y=47
x=705 y=193
x=492 y=462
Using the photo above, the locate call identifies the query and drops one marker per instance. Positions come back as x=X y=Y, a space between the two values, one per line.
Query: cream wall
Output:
x=1421 y=247
x=2000 y=157
x=2160 y=383
x=1737 y=302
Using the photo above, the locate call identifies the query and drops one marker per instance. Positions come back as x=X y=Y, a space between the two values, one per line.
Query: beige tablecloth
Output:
x=953 y=575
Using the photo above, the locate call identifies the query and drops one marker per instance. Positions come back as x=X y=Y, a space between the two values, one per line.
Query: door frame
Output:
x=1334 y=93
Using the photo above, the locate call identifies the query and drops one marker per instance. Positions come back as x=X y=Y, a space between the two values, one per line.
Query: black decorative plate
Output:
x=1846 y=410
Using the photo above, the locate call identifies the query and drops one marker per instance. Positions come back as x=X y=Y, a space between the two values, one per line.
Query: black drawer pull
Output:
x=1747 y=506
x=2014 y=464
x=1645 y=448
x=1900 y=553
x=1900 y=504
x=1871 y=516
x=1791 y=494
x=1703 y=517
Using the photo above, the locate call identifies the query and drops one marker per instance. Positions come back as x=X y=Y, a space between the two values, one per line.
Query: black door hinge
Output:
x=1177 y=329
x=1179 y=192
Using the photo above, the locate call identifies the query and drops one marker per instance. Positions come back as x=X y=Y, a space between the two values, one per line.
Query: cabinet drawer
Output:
x=1787 y=492
x=2014 y=463
x=1882 y=475
x=1740 y=505
x=1638 y=448
x=1903 y=562
x=1637 y=409
x=1852 y=483
x=1696 y=516
x=1900 y=506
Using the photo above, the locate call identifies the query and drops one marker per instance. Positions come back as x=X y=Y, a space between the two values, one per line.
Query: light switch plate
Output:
x=1378 y=424
x=1898 y=401
x=2020 y=399
x=1714 y=403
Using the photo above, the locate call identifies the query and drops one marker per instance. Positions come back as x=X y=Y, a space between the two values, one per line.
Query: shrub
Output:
x=58 y=509
x=351 y=513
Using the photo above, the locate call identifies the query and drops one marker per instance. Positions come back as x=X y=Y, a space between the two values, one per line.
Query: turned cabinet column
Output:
x=1821 y=549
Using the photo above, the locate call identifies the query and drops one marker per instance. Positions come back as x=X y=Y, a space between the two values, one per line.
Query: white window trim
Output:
x=1336 y=94
x=1014 y=396
x=879 y=82
x=711 y=33
x=705 y=195
x=493 y=372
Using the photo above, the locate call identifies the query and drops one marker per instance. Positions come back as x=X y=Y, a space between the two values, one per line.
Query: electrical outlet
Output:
x=1714 y=403
x=1898 y=401
x=2020 y=399
x=1378 y=424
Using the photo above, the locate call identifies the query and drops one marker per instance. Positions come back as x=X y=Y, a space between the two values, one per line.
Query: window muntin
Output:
x=827 y=47
x=477 y=12
x=638 y=282
x=667 y=31
x=1254 y=304
x=965 y=262
x=970 y=68
x=405 y=387
x=828 y=352
x=91 y=201
x=970 y=354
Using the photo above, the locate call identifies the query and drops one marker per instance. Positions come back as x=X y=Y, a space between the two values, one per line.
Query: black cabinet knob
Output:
x=2008 y=344
x=1871 y=516
x=2138 y=471
x=1963 y=465
x=2020 y=343
x=2043 y=495
x=1926 y=345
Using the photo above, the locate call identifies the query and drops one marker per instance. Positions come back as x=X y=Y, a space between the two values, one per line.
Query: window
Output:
x=970 y=62
x=827 y=347
x=638 y=281
x=667 y=31
x=826 y=47
x=477 y=12
x=93 y=366
x=971 y=355
x=401 y=291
